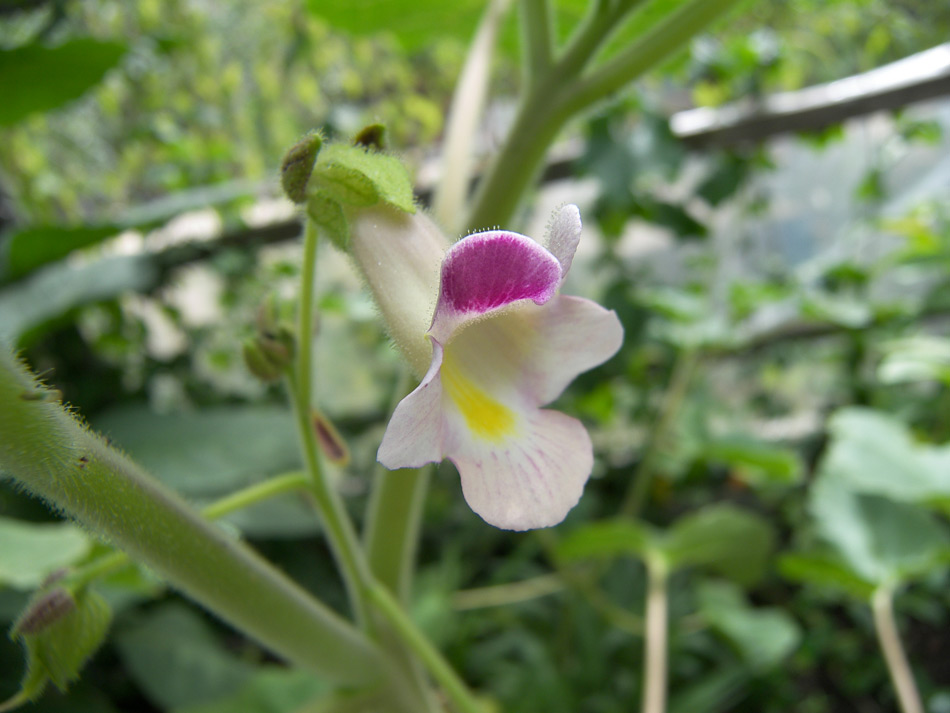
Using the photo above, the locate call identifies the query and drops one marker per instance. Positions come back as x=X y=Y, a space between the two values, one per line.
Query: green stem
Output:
x=639 y=488
x=650 y=49
x=107 y=564
x=561 y=94
x=500 y=595
x=537 y=39
x=882 y=605
x=441 y=671
x=336 y=523
x=52 y=456
x=655 y=643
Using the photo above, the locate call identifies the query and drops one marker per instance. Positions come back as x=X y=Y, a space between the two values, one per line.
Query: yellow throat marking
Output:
x=485 y=417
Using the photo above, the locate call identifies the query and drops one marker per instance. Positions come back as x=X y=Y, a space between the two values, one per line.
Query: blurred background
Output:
x=769 y=214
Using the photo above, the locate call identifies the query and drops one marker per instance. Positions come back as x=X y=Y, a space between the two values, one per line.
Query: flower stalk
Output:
x=882 y=606
x=655 y=642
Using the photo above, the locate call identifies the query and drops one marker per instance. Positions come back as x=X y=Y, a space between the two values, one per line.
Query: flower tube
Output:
x=503 y=345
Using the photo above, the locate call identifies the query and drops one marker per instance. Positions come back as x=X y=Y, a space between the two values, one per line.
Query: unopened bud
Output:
x=44 y=611
x=371 y=137
x=258 y=363
x=297 y=166
x=329 y=439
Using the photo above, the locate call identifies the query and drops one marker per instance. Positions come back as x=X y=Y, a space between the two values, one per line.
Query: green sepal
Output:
x=344 y=185
x=297 y=166
x=386 y=175
x=327 y=215
x=58 y=645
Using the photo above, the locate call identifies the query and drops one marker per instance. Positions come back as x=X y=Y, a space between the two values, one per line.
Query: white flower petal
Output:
x=414 y=435
x=563 y=235
x=530 y=481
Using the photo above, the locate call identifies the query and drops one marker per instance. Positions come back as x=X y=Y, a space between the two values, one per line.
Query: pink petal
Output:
x=414 y=435
x=563 y=235
x=528 y=482
x=486 y=271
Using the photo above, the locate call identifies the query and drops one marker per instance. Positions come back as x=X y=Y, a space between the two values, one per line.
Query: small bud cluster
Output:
x=270 y=351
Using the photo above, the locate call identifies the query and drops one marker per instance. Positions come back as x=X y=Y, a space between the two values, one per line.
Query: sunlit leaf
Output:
x=724 y=539
x=37 y=78
x=30 y=552
x=607 y=539
x=764 y=636
x=756 y=461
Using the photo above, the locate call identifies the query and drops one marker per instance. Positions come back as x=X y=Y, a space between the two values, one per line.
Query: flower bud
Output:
x=43 y=611
x=297 y=166
x=331 y=443
x=400 y=257
x=371 y=137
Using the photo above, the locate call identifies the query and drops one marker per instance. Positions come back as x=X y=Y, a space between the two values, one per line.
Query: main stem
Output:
x=336 y=523
x=655 y=642
x=882 y=605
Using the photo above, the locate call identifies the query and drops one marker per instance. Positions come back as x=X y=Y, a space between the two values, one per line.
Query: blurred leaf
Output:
x=846 y=312
x=920 y=358
x=882 y=541
x=58 y=651
x=874 y=453
x=175 y=657
x=29 y=248
x=607 y=539
x=728 y=175
x=30 y=552
x=208 y=452
x=763 y=636
x=756 y=461
x=37 y=78
x=51 y=293
x=826 y=571
x=724 y=539
x=269 y=690
x=717 y=692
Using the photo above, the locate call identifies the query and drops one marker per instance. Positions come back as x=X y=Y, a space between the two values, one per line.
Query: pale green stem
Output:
x=453 y=686
x=21 y=698
x=882 y=605
x=47 y=451
x=655 y=642
x=278 y=485
x=501 y=595
x=465 y=115
x=563 y=94
x=639 y=488
x=336 y=522
x=537 y=39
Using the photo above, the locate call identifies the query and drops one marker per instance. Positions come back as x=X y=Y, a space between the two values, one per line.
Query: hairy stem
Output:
x=882 y=605
x=336 y=523
x=46 y=450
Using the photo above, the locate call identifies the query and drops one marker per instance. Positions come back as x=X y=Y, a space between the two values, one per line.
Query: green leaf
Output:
x=58 y=651
x=876 y=454
x=756 y=461
x=920 y=358
x=30 y=248
x=724 y=539
x=327 y=215
x=825 y=571
x=51 y=293
x=607 y=539
x=764 y=637
x=39 y=78
x=30 y=552
x=386 y=174
x=175 y=657
x=880 y=540
x=269 y=690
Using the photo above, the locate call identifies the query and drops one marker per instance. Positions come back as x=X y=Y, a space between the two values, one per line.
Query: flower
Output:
x=504 y=344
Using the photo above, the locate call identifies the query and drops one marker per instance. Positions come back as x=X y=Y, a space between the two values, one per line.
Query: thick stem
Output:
x=51 y=455
x=655 y=643
x=882 y=604
x=464 y=117
x=537 y=39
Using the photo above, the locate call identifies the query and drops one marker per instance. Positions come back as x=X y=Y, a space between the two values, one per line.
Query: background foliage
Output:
x=774 y=420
